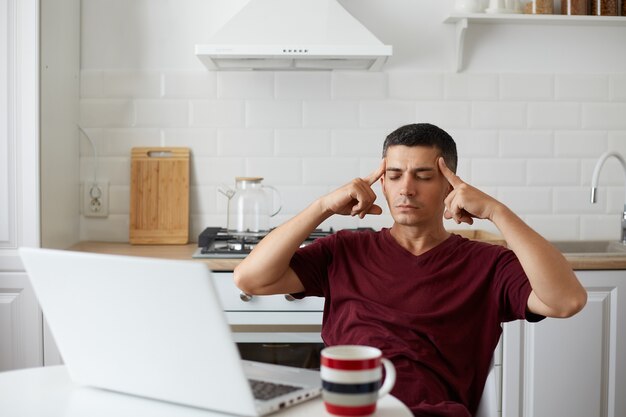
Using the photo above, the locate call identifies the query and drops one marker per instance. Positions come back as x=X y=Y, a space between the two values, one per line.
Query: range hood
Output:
x=293 y=35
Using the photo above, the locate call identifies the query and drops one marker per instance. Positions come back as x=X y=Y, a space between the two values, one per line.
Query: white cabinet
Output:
x=20 y=319
x=574 y=367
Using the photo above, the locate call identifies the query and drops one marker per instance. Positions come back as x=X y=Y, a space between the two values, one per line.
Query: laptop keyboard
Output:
x=264 y=390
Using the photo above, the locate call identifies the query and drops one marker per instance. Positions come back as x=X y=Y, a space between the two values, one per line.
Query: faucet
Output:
x=594 y=185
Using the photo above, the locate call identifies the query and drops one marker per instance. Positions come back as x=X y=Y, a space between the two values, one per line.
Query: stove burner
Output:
x=216 y=242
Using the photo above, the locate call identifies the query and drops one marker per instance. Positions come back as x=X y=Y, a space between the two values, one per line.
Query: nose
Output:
x=407 y=186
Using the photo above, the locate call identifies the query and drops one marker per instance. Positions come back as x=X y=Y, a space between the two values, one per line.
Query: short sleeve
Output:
x=310 y=264
x=512 y=289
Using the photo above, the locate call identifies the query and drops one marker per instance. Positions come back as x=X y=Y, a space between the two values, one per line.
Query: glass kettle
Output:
x=250 y=206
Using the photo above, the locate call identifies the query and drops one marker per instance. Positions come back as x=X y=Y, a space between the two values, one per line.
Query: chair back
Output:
x=488 y=406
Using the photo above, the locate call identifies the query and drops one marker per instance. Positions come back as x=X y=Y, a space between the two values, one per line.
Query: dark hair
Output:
x=424 y=134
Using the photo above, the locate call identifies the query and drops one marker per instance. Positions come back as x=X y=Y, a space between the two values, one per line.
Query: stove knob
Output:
x=245 y=297
x=289 y=297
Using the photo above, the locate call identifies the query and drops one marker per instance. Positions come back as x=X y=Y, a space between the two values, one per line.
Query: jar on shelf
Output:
x=539 y=7
x=604 y=7
x=575 y=7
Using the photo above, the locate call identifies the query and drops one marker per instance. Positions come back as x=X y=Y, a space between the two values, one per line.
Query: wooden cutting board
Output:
x=159 y=196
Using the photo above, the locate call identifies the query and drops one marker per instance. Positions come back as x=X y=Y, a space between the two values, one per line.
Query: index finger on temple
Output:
x=452 y=178
x=377 y=173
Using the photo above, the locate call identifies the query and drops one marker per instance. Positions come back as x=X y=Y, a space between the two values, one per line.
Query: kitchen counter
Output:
x=184 y=252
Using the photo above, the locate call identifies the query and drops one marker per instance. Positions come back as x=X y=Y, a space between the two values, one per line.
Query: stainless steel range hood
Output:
x=293 y=35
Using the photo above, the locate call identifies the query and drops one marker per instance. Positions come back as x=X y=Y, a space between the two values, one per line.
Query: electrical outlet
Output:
x=96 y=199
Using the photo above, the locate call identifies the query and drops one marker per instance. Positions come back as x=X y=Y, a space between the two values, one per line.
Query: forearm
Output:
x=550 y=275
x=269 y=260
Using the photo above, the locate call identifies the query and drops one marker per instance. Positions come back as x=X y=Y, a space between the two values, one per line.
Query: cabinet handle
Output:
x=289 y=297
x=245 y=297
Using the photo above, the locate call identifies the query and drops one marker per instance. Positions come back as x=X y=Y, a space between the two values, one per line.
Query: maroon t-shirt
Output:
x=437 y=316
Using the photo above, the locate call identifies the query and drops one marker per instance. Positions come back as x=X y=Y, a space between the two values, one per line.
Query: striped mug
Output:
x=352 y=379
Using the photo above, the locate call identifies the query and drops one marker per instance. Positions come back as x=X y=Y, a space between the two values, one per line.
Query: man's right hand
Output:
x=355 y=198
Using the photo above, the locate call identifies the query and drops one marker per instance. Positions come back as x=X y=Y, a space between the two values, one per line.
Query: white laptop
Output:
x=153 y=328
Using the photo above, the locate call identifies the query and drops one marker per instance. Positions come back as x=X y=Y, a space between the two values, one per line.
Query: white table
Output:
x=49 y=392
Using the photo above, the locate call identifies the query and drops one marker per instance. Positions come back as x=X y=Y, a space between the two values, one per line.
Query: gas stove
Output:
x=216 y=242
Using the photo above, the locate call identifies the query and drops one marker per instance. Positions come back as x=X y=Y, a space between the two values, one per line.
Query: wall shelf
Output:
x=463 y=20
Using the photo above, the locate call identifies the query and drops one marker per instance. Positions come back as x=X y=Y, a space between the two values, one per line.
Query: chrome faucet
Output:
x=594 y=185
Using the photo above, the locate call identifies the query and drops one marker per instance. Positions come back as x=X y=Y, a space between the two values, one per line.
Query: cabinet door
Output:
x=20 y=321
x=571 y=367
x=20 y=318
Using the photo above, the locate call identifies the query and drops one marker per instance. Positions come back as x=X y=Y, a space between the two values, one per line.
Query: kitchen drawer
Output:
x=231 y=300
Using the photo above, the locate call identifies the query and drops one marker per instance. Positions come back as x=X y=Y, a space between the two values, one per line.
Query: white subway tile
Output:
x=615 y=198
x=526 y=143
x=617 y=142
x=217 y=113
x=363 y=143
x=272 y=114
x=358 y=85
x=553 y=115
x=388 y=114
x=91 y=84
x=302 y=142
x=275 y=171
x=494 y=115
x=106 y=113
x=577 y=143
x=475 y=142
x=333 y=114
x=498 y=172
x=471 y=87
x=575 y=200
x=119 y=142
x=464 y=170
x=245 y=142
x=415 y=86
x=297 y=198
x=526 y=87
x=329 y=171
x=247 y=85
x=201 y=141
x=617 y=87
x=446 y=114
x=554 y=227
x=162 y=113
x=527 y=199
x=139 y=84
x=216 y=171
x=553 y=172
x=302 y=85
x=190 y=84
x=600 y=227
x=604 y=116
x=582 y=87
x=203 y=199
x=114 y=169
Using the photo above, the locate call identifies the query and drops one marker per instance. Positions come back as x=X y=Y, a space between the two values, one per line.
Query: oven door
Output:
x=275 y=329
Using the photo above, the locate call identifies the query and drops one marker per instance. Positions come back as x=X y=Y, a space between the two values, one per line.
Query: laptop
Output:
x=154 y=328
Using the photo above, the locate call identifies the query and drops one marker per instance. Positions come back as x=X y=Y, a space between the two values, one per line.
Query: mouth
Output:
x=406 y=207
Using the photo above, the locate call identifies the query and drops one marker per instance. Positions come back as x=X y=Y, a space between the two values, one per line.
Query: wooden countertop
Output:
x=185 y=252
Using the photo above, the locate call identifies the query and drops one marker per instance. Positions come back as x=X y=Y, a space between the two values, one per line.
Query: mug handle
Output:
x=390 y=378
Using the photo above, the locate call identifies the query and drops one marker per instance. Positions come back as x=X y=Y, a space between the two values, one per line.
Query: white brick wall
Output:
x=531 y=140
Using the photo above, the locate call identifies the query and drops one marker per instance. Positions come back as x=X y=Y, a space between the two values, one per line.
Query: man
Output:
x=432 y=301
